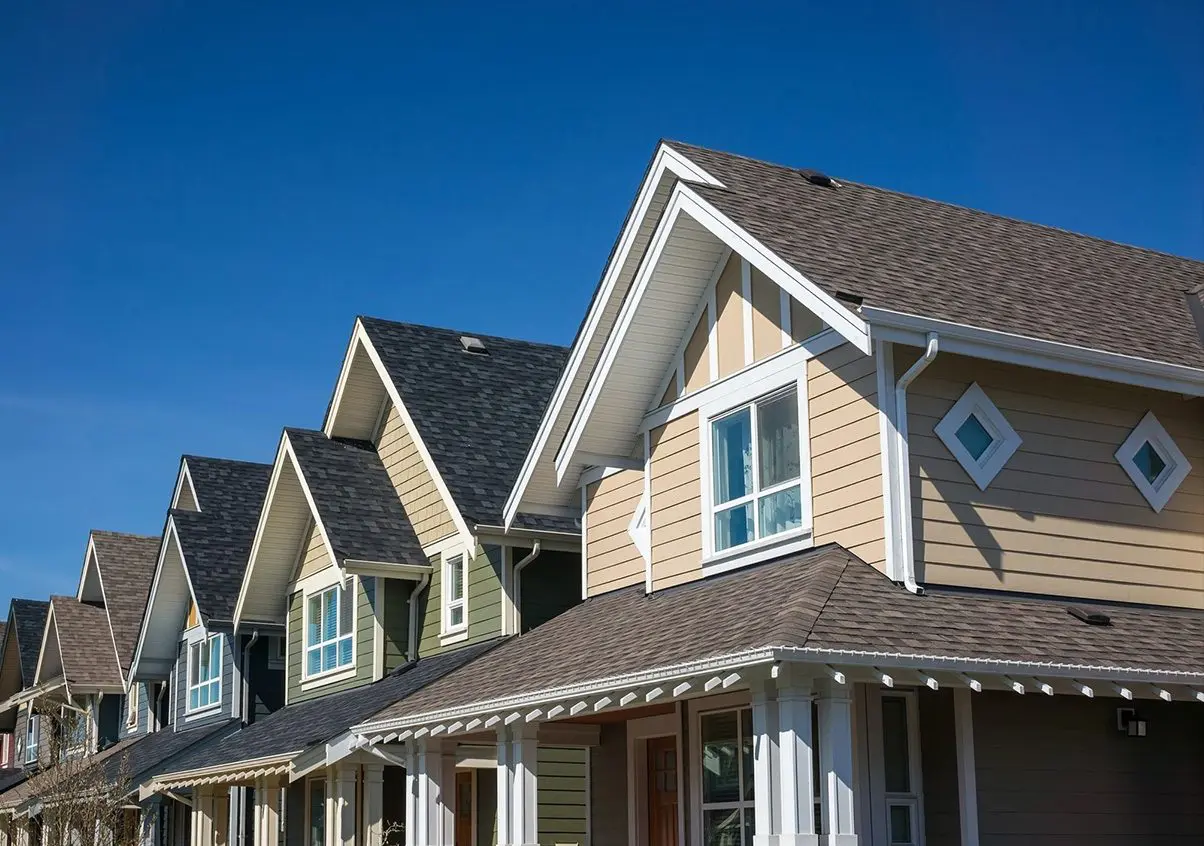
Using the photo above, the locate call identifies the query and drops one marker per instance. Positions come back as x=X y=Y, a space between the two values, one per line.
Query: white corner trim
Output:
x=1004 y=441
x=1158 y=492
x=648 y=496
x=665 y=160
x=309 y=498
x=712 y=302
x=584 y=543
x=884 y=365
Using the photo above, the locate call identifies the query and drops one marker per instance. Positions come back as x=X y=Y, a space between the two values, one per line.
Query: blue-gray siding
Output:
x=224 y=711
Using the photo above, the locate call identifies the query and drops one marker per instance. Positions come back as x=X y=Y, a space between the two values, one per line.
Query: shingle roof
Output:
x=152 y=753
x=28 y=619
x=10 y=778
x=952 y=263
x=825 y=599
x=127 y=566
x=357 y=504
x=89 y=659
x=216 y=541
x=297 y=727
x=476 y=414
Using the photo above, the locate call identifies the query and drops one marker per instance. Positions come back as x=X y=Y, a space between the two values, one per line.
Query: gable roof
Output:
x=27 y=621
x=127 y=565
x=228 y=487
x=358 y=508
x=476 y=414
x=85 y=644
x=951 y=263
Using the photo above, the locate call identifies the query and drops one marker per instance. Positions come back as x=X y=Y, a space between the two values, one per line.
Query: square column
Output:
x=836 y=764
x=431 y=790
x=795 y=759
x=374 y=804
x=518 y=787
x=267 y=813
x=340 y=806
x=766 y=762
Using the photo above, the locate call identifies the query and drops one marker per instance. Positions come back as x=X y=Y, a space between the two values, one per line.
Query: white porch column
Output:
x=374 y=804
x=766 y=787
x=505 y=787
x=436 y=795
x=267 y=812
x=795 y=750
x=20 y=835
x=967 y=779
x=836 y=764
x=413 y=810
x=518 y=787
x=202 y=816
x=342 y=806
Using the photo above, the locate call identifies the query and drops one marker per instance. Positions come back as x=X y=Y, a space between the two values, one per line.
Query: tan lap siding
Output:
x=1062 y=517
x=612 y=561
x=415 y=486
x=846 y=461
x=315 y=559
x=676 y=503
x=729 y=322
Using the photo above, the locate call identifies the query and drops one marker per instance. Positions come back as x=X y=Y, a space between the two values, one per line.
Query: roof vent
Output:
x=854 y=300
x=473 y=345
x=1091 y=618
x=820 y=179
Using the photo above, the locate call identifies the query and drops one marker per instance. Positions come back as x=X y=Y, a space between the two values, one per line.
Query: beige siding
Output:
x=415 y=486
x=361 y=400
x=612 y=561
x=803 y=323
x=186 y=496
x=766 y=316
x=695 y=360
x=846 y=461
x=676 y=503
x=315 y=559
x=729 y=324
x=1061 y=517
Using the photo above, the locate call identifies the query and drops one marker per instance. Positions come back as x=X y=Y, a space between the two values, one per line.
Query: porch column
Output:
x=203 y=833
x=267 y=814
x=836 y=764
x=795 y=750
x=518 y=787
x=435 y=795
x=374 y=804
x=766 y=789
x=219 y=816
x=341 y=803
x=412 y=808
x=20 y=834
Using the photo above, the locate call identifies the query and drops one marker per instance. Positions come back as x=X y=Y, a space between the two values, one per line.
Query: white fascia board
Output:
x=962 y=339
x=273 y=484
x=336 y=401
x=148 y=612
x=89 y=558
x=665 y=160
x=184 y=478
x=313 y=509
x=50 y=623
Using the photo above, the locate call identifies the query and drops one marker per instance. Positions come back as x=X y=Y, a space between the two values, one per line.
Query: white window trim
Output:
x=131 y=705
x=203 y=643
x=86 y=742
x=33 y=724
x=447 y=632
x=699 y=707
x=881 y=800
x=640 y=528
x=338 y=673
x=782 y=543
x=982 y=470
x=1177 y=469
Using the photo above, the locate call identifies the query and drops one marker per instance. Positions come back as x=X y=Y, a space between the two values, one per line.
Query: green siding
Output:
x=484 y=601
x=548 y=586
x=563 y=794
x=395 y=610
x=365 y=639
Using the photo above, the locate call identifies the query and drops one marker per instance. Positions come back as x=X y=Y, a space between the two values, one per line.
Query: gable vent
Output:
x=1091 y=618
x=473 y=345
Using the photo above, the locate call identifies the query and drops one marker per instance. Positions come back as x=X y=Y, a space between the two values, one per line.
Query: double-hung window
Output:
x=756 y=471
x=329 y=630
x=33 y=726
x=727 y=777
x=455 y=593
x=205 y=673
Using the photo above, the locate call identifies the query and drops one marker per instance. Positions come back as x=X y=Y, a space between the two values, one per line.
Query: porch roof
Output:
x=823 y=606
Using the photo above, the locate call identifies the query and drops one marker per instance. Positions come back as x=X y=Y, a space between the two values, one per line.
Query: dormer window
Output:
x=205 y=673
x=329 y=630
x=978 y=435
x=131 y=706
x=1153 y=461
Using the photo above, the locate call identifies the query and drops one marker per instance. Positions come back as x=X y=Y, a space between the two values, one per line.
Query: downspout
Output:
x=246 y=684
x=526 y=559
x=158 y=703
x=907 y=553
x=412 y=646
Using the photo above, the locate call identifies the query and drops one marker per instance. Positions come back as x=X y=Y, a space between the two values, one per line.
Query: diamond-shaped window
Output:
x=978 y=435
x=1153 y=461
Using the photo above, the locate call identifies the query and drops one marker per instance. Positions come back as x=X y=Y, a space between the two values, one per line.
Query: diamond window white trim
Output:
x=640 y=529
x=1175 y=465
x=1004 y=440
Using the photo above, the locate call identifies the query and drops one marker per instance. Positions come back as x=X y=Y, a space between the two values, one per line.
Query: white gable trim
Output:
x=684 y=200
x=184 y=478
x=50 y=625
x=313 y=509
x=169 y=537
x=665 y=160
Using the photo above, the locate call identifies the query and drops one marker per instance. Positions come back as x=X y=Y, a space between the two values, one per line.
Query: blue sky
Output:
x=198 y=198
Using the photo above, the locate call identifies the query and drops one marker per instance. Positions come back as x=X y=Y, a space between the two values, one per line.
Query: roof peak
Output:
x=458 y=332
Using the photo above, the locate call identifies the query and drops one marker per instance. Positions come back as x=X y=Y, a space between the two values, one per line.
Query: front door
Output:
x=662 y=791
x=464 y=808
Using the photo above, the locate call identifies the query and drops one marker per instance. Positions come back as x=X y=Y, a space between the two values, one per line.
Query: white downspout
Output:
x=245 y=703
x=907 y=553
x=412 y=646
x=526 y=559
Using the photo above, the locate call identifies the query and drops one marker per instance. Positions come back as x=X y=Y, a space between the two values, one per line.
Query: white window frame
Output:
x=640 y=528
x=882 y=800
x=1159 y=492
x=761 y=549
x=195 y=645
x=85 y=742
x=985 y=468
x=350 y=589
x=131 y=706
x=450 y=633
x=698 y=709
x=33 y=733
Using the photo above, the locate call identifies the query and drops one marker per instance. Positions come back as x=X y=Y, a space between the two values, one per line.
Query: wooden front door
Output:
x=464 y=808
x=662 y=791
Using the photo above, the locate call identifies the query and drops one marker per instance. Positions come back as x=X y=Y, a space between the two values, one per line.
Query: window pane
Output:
x=313 y=632
x=215 y=658
x=1149 y=462
x=330 y=614
x=900 y=824
x=194 y=663
x=746 y=749
x=720 y=760
x=194 y=700
x=781 y=512
x=455 y=616
x=346 y=609
x=328 y=656
x=731 y=456
x=974 y=436
x=317 y=813
x=344 y=651
x=777 y=439
x=894 y=743
x=734 y=526
x=455 y=575
x=313 y=661
x=721 y=827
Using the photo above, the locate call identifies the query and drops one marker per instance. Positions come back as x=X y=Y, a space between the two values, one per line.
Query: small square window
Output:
x=1153 y=461
x=978 y=435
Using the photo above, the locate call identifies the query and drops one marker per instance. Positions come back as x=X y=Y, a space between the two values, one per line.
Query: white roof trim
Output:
x=90 y=556
x=168 y=533
x=184 y=477
x=50 y=622
x=665 y=160
x=902 y=328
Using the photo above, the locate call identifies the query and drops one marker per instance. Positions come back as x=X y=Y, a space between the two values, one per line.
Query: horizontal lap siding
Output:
x=563 y=795
x=415 y=486
x=676 y=503
x=315 y=559
x=484 y=601
x=846 y=460
x=612 y=561
x=1062 y=517
x=1057 y=771
x=365 y=638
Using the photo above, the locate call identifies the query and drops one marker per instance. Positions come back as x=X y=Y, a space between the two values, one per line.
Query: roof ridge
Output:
x=113 y=534
x=197 y=457
x=481 y=335
x=844 y=566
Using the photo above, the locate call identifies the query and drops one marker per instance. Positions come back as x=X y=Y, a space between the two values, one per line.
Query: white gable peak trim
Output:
x=184 y=479
x=170 y=538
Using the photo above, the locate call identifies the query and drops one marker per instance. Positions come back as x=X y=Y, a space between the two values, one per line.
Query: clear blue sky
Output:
x=198 y=198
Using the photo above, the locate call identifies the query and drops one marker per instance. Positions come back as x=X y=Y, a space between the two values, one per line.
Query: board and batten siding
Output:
x=563 y=795
x=412 y=480
x=484 y=602
x=846 y=455
x=224 y=711
x=365 y=638
x=1061 y=517
x=612 y=560
x=676 y=503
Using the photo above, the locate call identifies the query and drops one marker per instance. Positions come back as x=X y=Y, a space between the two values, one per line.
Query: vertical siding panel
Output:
x=608 y=787
x=613 y=561
x=396 y=604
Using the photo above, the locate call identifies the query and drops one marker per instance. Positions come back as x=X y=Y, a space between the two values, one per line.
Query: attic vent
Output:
x=820 y=179
x=1091 y=618
x=473 y=345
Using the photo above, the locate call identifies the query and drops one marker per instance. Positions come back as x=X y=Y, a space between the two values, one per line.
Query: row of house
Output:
x=849 y=517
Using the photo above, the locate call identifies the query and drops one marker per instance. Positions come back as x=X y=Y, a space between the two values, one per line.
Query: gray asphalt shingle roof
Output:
x=85 y=644
x=28 y=620
x=357 y=504
x=476 y=414
x=127 y=567
x=951 y=263
x=152 y=753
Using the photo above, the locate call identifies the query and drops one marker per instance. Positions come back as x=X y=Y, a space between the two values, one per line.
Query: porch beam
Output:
x=884 y=678
x=835 y=674
x=970 y=682
x=1197 y=694
x=1082 y=688
x=1122 y=691
x=1013 y=684
x=1162 y=693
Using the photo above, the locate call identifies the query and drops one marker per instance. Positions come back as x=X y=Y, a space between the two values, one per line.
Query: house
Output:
x=893 y=533
x=18 y=666
x=381 y=553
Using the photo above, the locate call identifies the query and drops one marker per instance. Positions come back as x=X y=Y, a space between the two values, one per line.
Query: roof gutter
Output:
x=905 y=546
